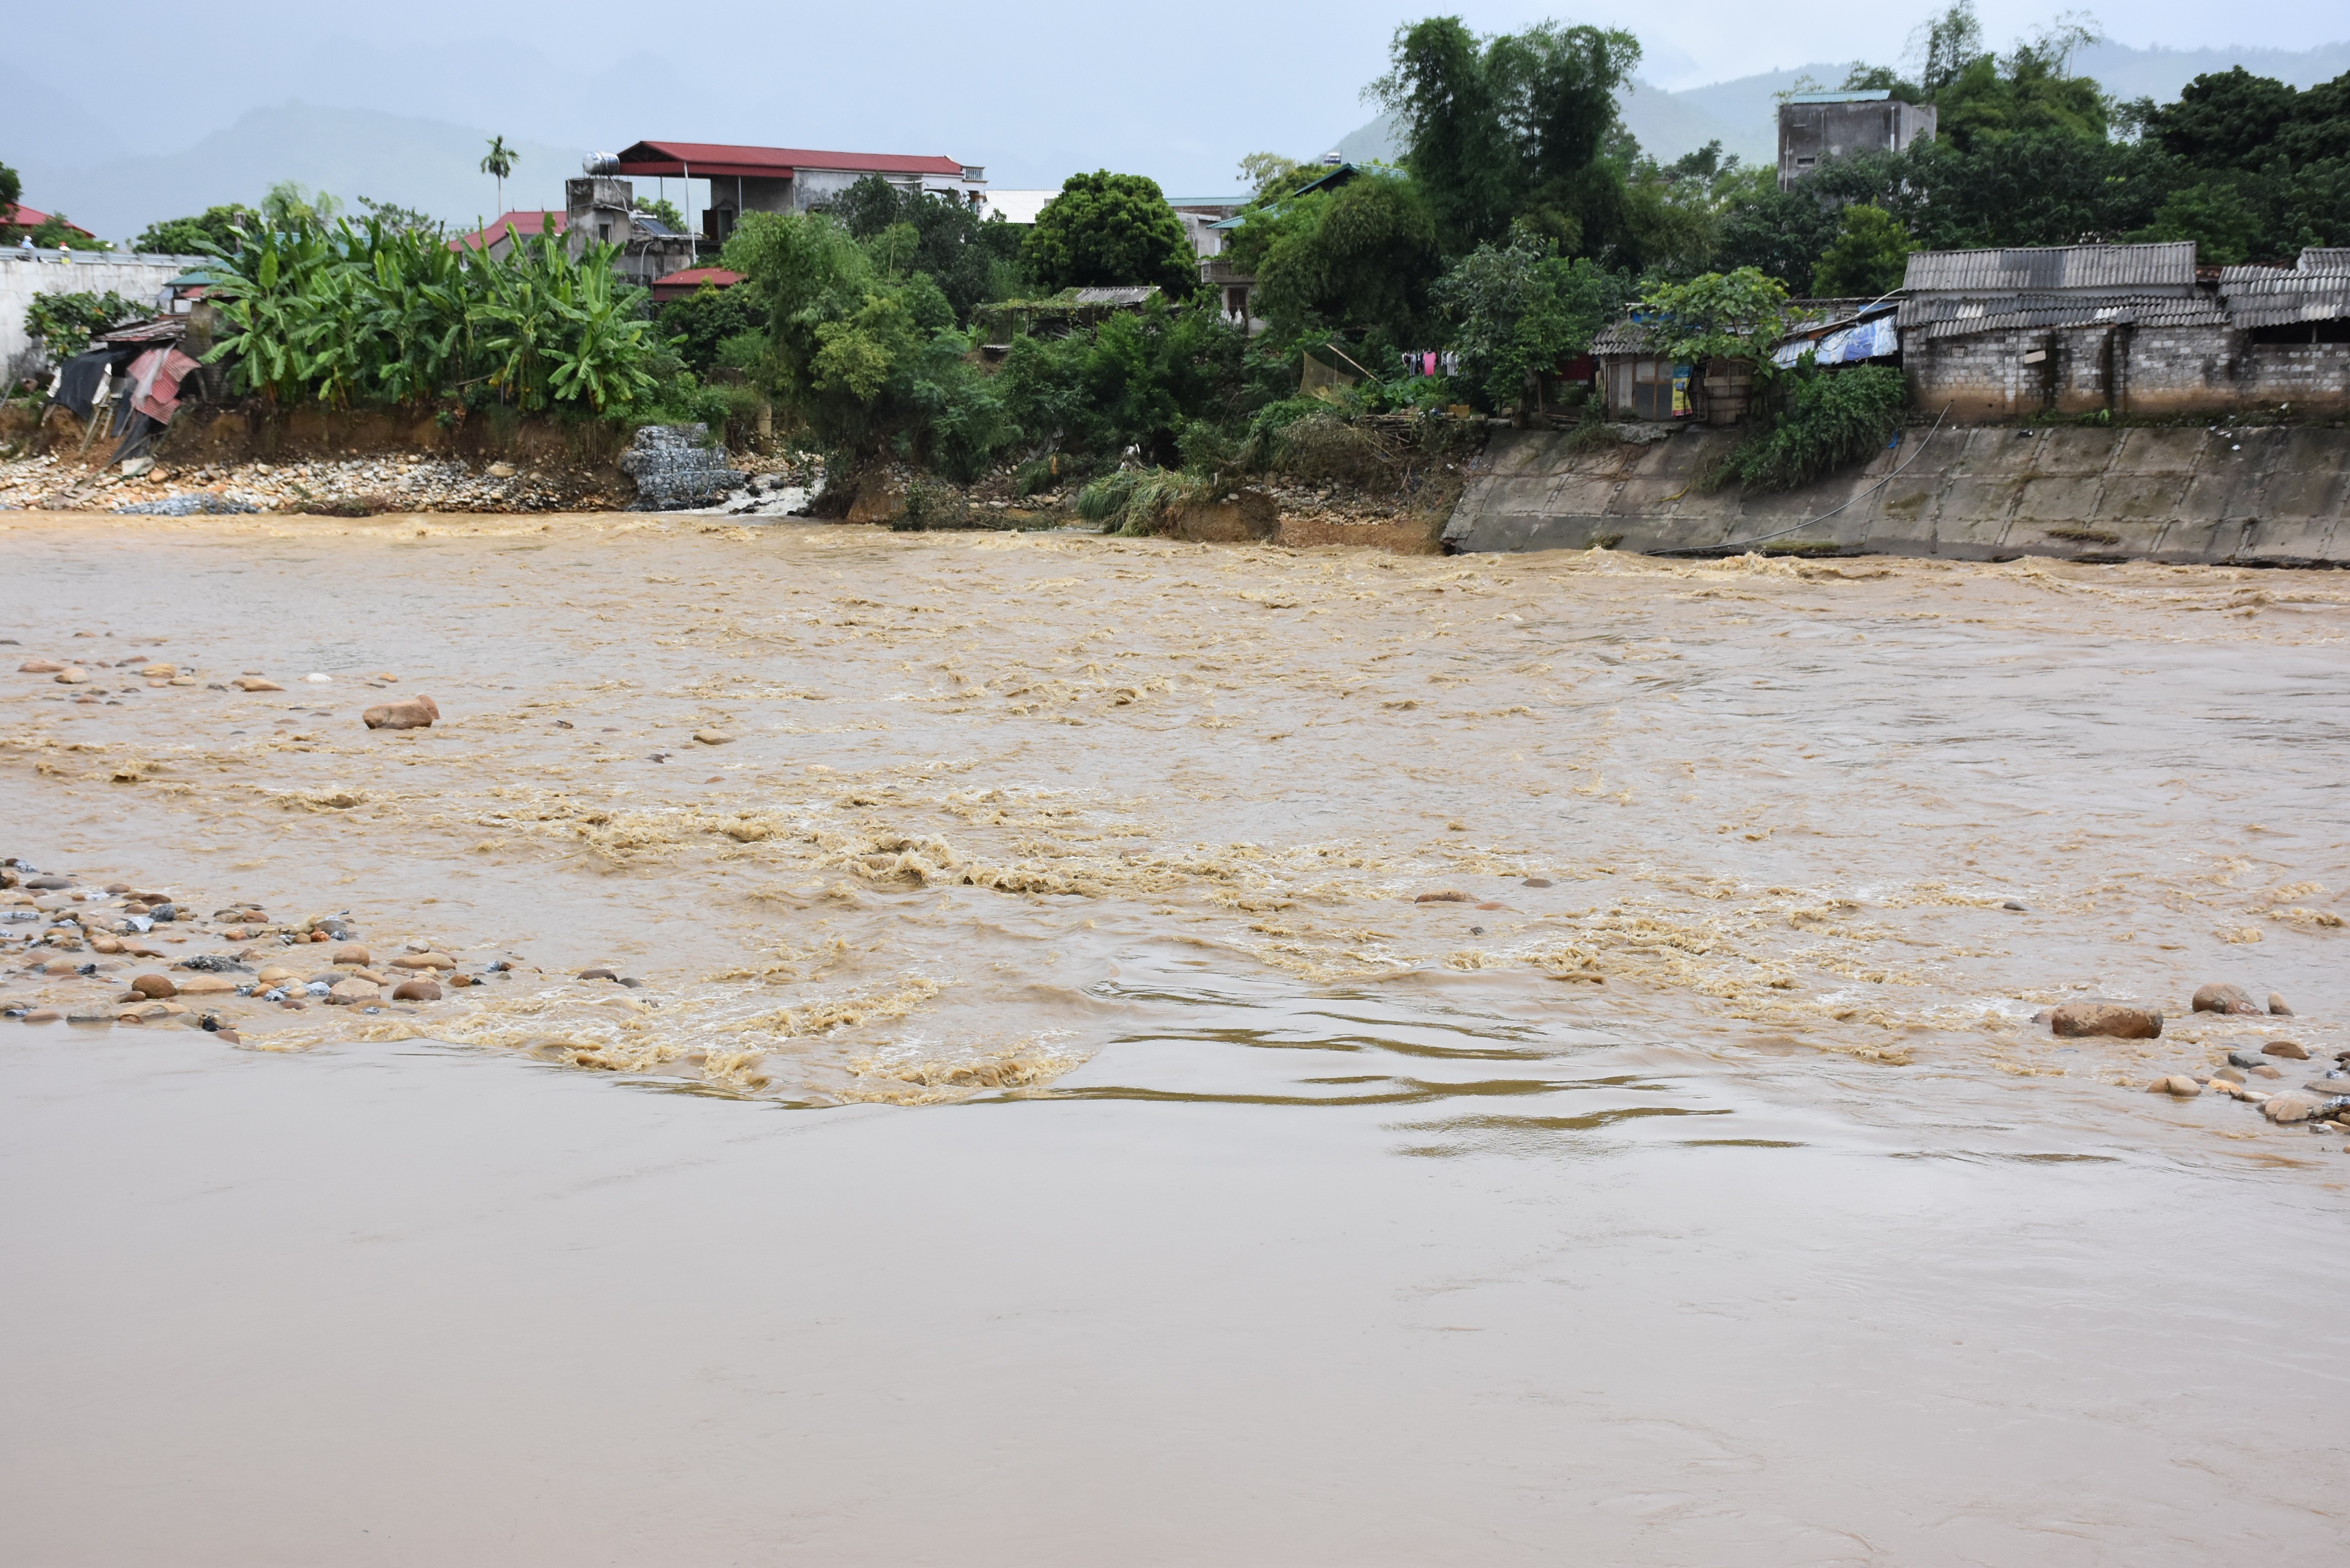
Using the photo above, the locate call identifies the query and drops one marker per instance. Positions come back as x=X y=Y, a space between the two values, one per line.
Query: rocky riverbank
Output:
x=358 y=486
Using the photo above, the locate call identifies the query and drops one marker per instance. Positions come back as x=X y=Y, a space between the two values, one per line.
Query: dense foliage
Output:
x=1521 y=309
x=1511 y=127
x=715 y=327
x=1823 y=421
x=1358 y=259
x=913 y=232
x=2026 y=154
x=867 y=354
x=63 y=324
x=217 y=229
x=1107 y=230
x=1866 y=258
x=343 y=315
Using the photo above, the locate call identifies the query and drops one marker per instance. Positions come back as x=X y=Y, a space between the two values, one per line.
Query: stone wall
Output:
x=2146 y=372
x=133 y=276
x=2270 y=496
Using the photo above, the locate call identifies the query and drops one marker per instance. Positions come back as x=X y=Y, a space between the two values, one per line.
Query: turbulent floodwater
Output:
x=1688 y=1178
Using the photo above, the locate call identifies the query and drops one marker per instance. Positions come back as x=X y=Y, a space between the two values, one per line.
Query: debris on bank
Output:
x=356 y=486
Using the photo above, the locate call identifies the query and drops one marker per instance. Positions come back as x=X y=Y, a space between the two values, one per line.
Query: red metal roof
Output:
x=695 y=277
x=705 y=157
x=526 y=225
x=26 y=217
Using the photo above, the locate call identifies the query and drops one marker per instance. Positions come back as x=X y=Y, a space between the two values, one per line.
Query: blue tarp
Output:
x=1845 y=346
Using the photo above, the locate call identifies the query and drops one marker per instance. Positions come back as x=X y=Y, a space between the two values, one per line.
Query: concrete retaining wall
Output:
x=2273 y=495
x=133 y=276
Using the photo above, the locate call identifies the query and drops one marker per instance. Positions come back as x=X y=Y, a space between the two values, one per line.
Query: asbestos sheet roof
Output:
x=1945 y=317
x=2049 y=268
x=1622 y=337
x=2317 y=259
x=2276 y=296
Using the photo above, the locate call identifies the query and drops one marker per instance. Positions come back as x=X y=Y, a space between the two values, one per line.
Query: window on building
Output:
x=1641 y=387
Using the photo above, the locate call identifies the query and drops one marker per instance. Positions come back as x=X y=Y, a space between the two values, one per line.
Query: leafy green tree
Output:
x=869 y=361
x=2228 y=119
x=911 y=232
x=12 y=188
x=1509 y=125
x=1781 y=234
x=1271 y=175
x=663 y=211
x=498 y=162
x=217 y=229
x=1673 y=214
x=2027 y=91
x=2320 y=128
x=1107 y=228
x=398 y=219
x=707 y=319
x=1358 y=259
x=2224 y=227
x=54 y=230
x=1867 y=258
x=1947 y=46
x=1517 y=310
x=63 y=324
x=1457 y=143
x=1741 y=315
x=288 y=207
x=1142 y=378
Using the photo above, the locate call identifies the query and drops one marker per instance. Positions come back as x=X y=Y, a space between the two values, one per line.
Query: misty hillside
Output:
x=428 y=164
x=86 y=171
x=1743 y=113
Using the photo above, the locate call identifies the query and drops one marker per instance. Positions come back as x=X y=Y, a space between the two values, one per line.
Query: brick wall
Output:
x=2138 y=371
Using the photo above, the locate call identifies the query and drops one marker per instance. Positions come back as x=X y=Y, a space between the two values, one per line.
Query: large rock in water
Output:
x=675 y=466
x=2076 y=1020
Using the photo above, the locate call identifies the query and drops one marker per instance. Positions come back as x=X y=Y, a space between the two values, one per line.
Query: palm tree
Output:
x=500 y=162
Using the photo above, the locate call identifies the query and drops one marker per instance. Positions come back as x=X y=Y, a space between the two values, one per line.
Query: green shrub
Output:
x=1140 y=501
x=1831 y=418
x=62 y=323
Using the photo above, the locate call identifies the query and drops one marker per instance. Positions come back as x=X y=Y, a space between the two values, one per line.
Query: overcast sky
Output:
x=1031 y=88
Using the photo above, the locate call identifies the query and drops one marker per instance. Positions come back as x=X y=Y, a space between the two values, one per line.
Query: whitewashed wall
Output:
x=132 y=275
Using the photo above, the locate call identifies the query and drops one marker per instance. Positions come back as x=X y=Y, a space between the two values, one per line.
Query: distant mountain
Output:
x=431 y=165
x=1743 y=113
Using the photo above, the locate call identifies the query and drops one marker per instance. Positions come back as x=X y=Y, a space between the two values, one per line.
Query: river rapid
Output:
x=1157 y=1053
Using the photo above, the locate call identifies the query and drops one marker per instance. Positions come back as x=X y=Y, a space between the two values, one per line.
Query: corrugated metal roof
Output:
x=527 y=225
x=708 y=158
x=2319 y=259
x=2043 y=268
x=1945 y=316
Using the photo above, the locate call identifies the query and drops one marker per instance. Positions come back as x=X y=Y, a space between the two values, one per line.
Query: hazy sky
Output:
x=1032 y=89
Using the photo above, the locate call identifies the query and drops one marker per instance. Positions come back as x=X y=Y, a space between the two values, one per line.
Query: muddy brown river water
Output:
x=1052 y=1122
